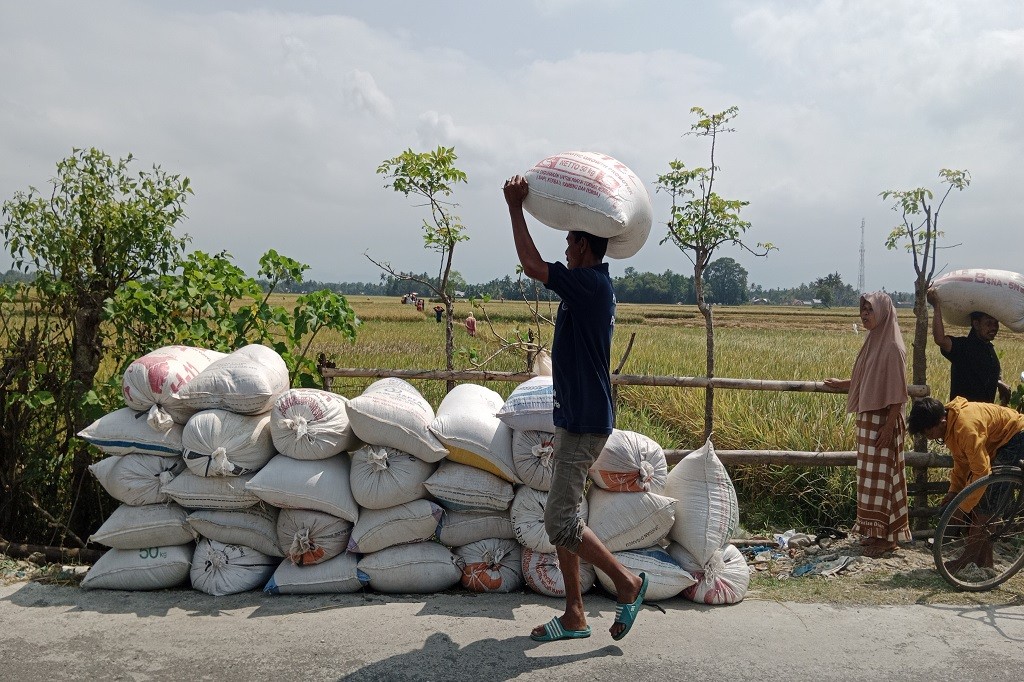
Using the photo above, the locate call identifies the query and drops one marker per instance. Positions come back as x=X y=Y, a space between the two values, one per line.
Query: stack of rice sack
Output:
x=309 y=482
x=707 y=515
x=623 y=506
x=394 y=535
x=225 y=443
x=151 y=540
x=209 y=414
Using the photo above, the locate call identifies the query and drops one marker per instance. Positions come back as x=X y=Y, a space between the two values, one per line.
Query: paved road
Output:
x=49 y=632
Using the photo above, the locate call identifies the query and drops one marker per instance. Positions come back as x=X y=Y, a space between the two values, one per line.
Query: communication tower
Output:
x=860 y=275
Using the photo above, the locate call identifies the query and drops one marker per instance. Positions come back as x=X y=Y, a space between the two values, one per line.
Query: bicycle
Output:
x=978 y=550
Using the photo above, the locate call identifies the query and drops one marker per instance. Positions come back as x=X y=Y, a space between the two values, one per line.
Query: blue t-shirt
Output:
x=581 y=349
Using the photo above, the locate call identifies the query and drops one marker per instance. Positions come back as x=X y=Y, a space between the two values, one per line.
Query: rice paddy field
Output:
x=752 y=342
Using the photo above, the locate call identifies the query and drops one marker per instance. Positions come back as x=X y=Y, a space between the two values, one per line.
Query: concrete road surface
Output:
x=55 y=633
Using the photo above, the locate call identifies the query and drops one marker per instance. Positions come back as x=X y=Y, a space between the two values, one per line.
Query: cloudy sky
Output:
x=280 y=113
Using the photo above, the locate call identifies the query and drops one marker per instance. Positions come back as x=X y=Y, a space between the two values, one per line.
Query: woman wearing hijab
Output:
x=877 y=392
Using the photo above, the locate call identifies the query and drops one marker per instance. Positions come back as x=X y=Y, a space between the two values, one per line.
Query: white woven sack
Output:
x=382 y=477
x=630 y=462
x=201 y=492
x=466 y=424
x=528 y=518
x=530 y=406
x=419 y=568
x=707 y=512
x=136 y=479
x=311 y=537
x=307 y=423
x=151 y=568
x=531 y=455
x=461 y=528
x=151 y=525
x=154 y=382
x=592 y=192
x=391 y=412
x=255 y=527
x=334 y=576
x=321 y=485
x=665 y=577
x=221 y=569
x=543 y=575
x=491 y=565
x=247 y=381
x=126 y=432
x=999 y=293
x=723 y=579
x=464 y=488
x=222 y=443
x=629 y=520
x=379 y=529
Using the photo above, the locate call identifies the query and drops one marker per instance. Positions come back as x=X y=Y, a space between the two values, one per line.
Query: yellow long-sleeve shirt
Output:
x=974 y=431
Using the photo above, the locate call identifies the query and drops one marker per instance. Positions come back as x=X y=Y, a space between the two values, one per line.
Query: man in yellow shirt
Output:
x=978 y=436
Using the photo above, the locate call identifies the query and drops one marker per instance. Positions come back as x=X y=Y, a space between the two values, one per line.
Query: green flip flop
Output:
x=626 y=613
x=553 y=631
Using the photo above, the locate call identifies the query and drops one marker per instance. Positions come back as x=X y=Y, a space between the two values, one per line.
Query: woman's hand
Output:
x=834 y=384
x=885 y=438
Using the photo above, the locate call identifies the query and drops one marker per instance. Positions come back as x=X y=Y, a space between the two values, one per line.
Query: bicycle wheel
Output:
x=979 y=550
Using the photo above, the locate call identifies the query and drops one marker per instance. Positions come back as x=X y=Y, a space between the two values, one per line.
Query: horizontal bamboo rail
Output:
x=330 y=373
x=810 y=459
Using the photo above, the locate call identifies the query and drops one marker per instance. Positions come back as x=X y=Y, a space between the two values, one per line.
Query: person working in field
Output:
x=974 y=371
x=471 y=325
x=979 y=436
x=583 y=414
x=877 y=393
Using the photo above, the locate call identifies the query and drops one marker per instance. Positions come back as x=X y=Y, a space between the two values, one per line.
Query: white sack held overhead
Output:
x=665 y=577
x=151 y=525
x=220 y=569
x=464 y=488
x=531 y=455
x=707 y=513
x=150 y=568
x=382 y=477
x=379 y=529
x=630 y=462
x=392 y=412
x=999 y=293
x=629 y=520
x=528 y=518
x=491 y=565
x=254 y=527
x=201 y=492
x=530 y=406
x=154 y=382
x=222 y=443
x=136 y=479
x=334 y=576
x=247 y=381
x=466 y=424
x=307 y=423
x=311 y=537
x=592 y=192
x=461 y=528
x=419 y=568
x=126 y=432
x=721 y=580
x=321 y=485
x=543 y=575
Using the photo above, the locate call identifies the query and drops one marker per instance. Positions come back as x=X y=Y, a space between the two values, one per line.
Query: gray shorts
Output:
x=573 y=455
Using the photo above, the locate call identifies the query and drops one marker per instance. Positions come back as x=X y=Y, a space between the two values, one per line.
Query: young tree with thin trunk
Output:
x=431 y=176
x=918 y=231
x=701 y=220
